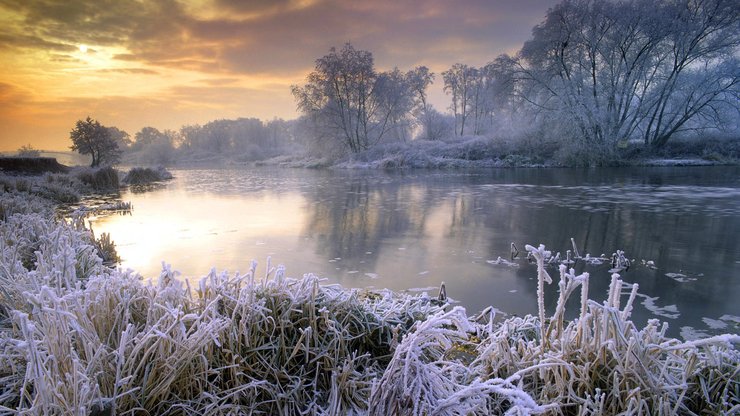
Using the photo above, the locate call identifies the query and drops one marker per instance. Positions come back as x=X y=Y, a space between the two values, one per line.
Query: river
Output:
x=412 y=230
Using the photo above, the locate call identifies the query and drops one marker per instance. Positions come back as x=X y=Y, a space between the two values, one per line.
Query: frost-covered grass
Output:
x=64 y=188
x=77 y=337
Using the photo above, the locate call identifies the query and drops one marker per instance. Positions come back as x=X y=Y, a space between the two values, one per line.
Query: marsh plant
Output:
x=99 y=179
x=79 y=338
x=143 y=176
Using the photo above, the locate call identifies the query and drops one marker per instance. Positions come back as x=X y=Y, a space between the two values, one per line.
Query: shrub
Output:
x=28 y=151
x=100 y=179
x=143 y=176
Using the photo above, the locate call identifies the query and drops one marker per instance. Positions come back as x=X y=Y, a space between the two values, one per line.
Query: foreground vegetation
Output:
x=78 y=337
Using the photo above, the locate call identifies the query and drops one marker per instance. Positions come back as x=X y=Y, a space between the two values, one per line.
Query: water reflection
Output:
x=415 y=229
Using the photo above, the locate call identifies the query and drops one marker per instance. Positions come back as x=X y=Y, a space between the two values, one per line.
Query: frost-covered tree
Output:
x=419 y=79
x=472 y=92
x=145 y=137
x=243 y=138
x=154 y=146
x=633 y=69
x=121 y=138
x=458 y=84
x=397 y=99
x=349 y=100
x=89 y=137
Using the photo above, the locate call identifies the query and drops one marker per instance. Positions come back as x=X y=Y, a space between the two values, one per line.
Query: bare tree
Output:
x=347 y=99
x=458 y=83
x=419 y=80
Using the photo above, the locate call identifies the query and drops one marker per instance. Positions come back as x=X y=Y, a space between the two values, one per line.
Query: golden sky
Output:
x=168 y=63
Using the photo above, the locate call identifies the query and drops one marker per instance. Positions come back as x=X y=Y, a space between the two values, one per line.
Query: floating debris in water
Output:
x=680 y=277
x=504 y=262
x=714 y=323
x=690 y=333
x=649 y=264
x=668 y=311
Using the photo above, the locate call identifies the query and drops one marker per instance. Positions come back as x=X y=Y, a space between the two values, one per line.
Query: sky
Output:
x=169 y=63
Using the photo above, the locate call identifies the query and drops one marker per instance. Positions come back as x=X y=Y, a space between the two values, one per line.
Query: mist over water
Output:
x=411 y=230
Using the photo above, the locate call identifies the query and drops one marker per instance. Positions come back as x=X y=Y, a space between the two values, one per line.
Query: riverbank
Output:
x=262 y=342
x=481 y=152
x=31 y=165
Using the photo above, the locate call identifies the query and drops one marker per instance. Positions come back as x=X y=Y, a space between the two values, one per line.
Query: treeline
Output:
x=599 y=81
x=243 y=139
x=597 y=78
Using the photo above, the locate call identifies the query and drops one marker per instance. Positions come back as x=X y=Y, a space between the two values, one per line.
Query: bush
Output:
x=28 y=151
x=101 y=179
x=579 y=154
x=709 y=148
x=143 y=176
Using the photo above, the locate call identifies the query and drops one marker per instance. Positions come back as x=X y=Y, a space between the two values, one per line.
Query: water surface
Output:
x=411 y=230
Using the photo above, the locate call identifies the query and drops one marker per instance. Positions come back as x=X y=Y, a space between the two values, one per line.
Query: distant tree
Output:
x=121 y=138
x=395 y=100
x=155 y=147
x=419 y=80
x=459 y=83
x=145 y=137
x=438 y=125
x=348 y=100
x=28 y=151
x=89 y=137
x=473 y=95
x=281 y=137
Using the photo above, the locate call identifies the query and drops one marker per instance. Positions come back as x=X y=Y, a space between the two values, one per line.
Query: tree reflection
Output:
x=350 y=219
x=456 y=222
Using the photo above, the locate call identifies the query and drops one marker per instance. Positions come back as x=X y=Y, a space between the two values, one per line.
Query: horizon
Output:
x=132 y=65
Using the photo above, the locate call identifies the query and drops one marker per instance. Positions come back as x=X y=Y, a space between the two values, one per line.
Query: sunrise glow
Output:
x=134 y=64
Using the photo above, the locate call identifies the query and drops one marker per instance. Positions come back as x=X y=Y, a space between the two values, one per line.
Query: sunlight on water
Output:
x=199 y=232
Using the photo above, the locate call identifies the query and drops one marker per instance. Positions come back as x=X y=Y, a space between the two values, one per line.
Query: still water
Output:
x=412 y=230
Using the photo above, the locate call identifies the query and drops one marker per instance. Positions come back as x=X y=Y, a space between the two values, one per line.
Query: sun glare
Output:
x=83 y=48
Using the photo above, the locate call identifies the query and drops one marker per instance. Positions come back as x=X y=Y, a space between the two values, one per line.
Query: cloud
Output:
x=10 y=95
x=261 y=7
x=229 y=58
x=282 y=36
